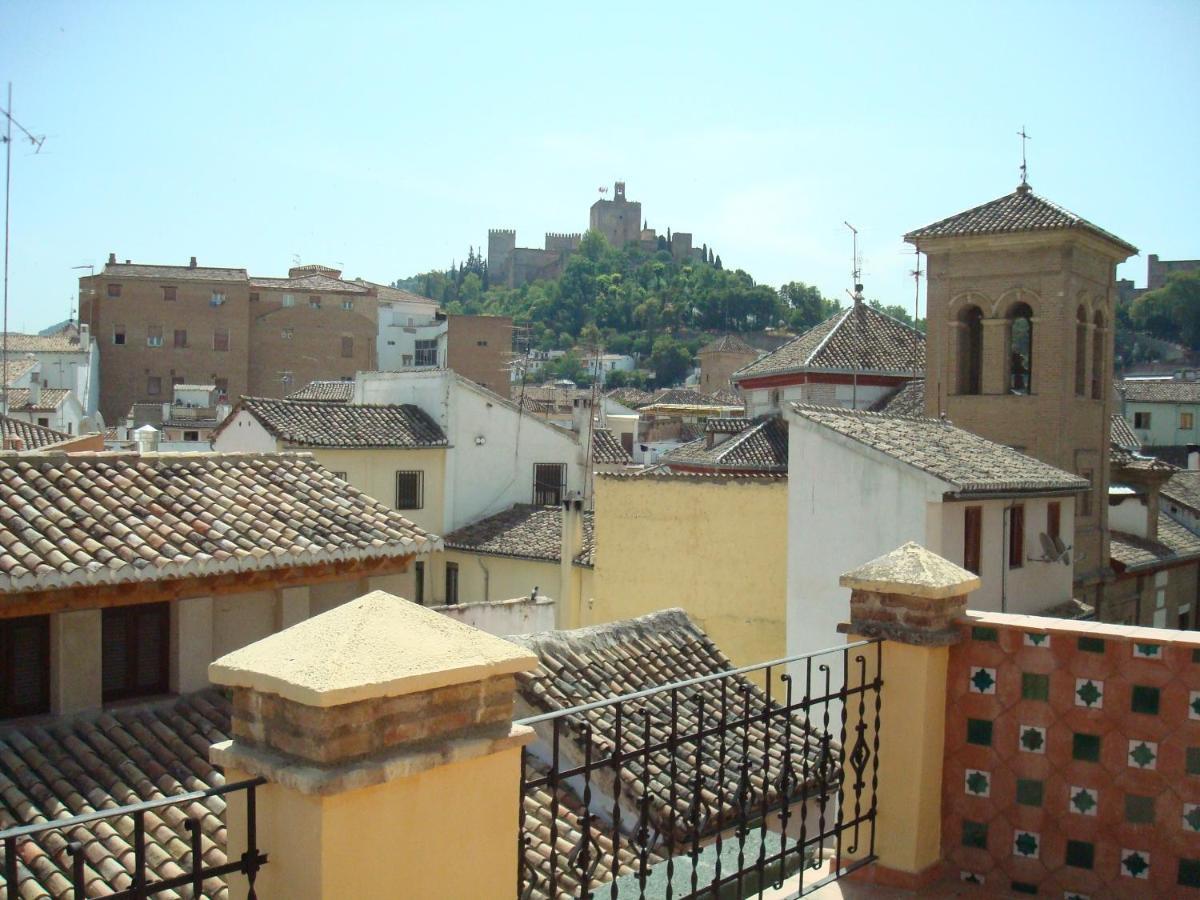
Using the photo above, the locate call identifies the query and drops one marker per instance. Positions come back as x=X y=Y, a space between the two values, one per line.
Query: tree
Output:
x=670 y=360
x=806 y=307
x=1172 y=312
x=896 y=311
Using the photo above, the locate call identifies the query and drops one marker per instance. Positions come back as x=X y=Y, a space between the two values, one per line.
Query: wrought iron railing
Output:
x=719 y=786
x=76 y=830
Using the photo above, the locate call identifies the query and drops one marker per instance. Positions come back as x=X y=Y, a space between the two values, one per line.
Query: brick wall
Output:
x=1072 y=758
x=480 y=348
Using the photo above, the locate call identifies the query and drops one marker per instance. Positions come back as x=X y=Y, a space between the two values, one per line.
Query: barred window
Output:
x=114 y=290
x=426 y=353
x=221 y=339
x=549 y=483
x=169 y=291
x=410 y=490
x=451 y=583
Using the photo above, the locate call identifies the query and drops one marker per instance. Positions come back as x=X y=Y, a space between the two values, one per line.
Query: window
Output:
x=135 y=645
x=1185 y=616
x=347 y=346
x=970 y=350
x=191 y=436
x=1080 y=352
x=118 y=334
x=1098 y=377
x=549 y=483
x=314 y=302
x=153 y=386
x=1020 y=349
x=221 y=339
x=347 y=303
x=451 y=583
x=114 y=290
x=153 y=335
x=254 y=296
x=25 y=664
x=288 y=333
x=289 y=300
x=180 y=337
x=406 y=359
x=1187 y=421
x=972 y=534
x=44 y=421
x=217 y=299
x=177 y=379
x=410 y=490
x=419 y=575
x=222 y=386
x=1141 y=420
x=426 y=353
x=481 y=343
x=1054 y=521
x=1016 y=536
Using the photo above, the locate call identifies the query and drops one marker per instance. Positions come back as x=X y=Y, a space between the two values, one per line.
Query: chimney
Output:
x=128 y=262
x=13 y=442
x=581 y=412
x=85 y=334
x=1193 y=457
x=112 y=259
x=571 y=546
x=192 y=264
x=35 y=390
x=146 y=439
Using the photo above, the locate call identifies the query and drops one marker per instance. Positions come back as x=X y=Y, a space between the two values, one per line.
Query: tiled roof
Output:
x=50 y=399
x=386 y=292
x=145 y=414
x=1022 y=210
x=326 y=391
x=17 y=367
x=1184 y=489
x=1122 y=435
x=727 y=425
x=1175 y=544
x=907 y=400
x=727 y=398
x=682 y=397
x=195 y=387
x=65 y=767
x=32 y=436
x=44 y=343
x=119 y=517
x=120 y=271
x=969 y=463
x=728 y=343
x=317 y=283
x=524 y=531
x=1122 y=459
x=631 y=397
x=1160 y=391
x=607 y=450
x=763 y=446
x=857 y=338
x=601 y=662
x=318 y=424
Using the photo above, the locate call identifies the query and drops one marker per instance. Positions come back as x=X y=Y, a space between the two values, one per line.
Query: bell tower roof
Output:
x=1020 y=211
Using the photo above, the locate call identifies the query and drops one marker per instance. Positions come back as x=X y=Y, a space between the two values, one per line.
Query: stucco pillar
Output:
x=571 y=545
x=76 y=664
x=910 y=599
x=191 y=643
x=994 y=377
x=384 y=731
x=293 y=607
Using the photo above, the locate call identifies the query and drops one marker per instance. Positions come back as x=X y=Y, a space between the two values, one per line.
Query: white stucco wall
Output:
x=243 y=433
x=505 y=617
x=850 y=396
x=1129 y=513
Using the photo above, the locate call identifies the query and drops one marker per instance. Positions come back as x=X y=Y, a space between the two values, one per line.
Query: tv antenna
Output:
x=36 y=141
x=1024 y=168
x=856 y=266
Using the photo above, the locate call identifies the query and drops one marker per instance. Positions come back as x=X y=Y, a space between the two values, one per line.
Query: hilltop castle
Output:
x=619 y=220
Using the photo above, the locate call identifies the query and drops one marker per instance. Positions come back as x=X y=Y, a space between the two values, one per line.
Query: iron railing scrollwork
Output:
x=78 y=835
x=719 y=786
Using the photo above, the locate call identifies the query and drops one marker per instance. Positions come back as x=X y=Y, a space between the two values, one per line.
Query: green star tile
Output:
x=1089 y=692
x=1139 y=810
x=1085 y=747
x=1194 y=705
x=983 y=681
x=1025 y=844
x=1147 y=651
x=1191 y=816
x=1135 y=863
x=1142 y=754
x=1037 y=640
x=1081 y=854
x=1034 y=686
x=977 y=783
x=1033 y=739
x=1144 y=700
x=1083 y=801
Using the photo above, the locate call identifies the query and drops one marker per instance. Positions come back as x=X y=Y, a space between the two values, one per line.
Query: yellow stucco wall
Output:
x=716 y=547
x=482 y=577
x=374 y=473
x=404 y=838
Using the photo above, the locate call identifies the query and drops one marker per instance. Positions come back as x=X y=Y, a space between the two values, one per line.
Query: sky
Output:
x=385 y=139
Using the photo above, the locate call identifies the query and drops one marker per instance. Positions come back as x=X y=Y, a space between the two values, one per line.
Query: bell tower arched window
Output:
x=1098 y=335
x=1081 y=350
x=970 y=350
x=1020 y=349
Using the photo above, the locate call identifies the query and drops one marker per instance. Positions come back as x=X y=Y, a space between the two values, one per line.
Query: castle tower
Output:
x=501 y=244
x=618 y=219
x=1021 y=299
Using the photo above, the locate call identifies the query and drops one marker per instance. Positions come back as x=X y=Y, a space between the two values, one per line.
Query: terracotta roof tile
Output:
x=320 y=424
x=120 y=271
x=50 y=399
x=119 y=517
x=1122 y=435
x=758 y=446
x=969 y=463
x=858 y=338
x=32 y=436
x=1160 y=391
x=907 y=400
x=68 y=766
x=17 y=367
x=631 y=397
x=326 y=391
x=1184 y=489
x=62 y=342
x=315 y=282
x=727 y=343
x=525 y=531
x=682 y=397
x=1022 y=210
x=1175 y=544
x=607 y=450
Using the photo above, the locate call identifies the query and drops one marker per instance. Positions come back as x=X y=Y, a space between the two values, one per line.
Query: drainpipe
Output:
x=1005 y=537
x=487 y=579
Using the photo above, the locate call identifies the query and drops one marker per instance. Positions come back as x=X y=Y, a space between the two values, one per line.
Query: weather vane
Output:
x=1024 y=168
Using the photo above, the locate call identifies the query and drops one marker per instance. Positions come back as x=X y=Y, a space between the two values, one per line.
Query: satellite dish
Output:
x=1061 y=548
x=1049 y=551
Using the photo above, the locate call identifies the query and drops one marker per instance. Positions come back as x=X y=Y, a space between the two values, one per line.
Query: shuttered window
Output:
x=549 y=483
x=410 y=490
x=1016 y=537
x=419 y=569
x=136 y=647
x=972 y=535
x=451 y=583
x=25 y=665
x=1054 y=520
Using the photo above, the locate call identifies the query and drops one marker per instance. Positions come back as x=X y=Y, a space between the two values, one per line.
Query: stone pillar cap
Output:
x=913 y=571
x=376 y=646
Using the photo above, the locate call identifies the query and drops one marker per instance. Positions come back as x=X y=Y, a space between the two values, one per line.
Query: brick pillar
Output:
x=994 y=377
x=910 y=599
x=76 y=667
x=385 y=733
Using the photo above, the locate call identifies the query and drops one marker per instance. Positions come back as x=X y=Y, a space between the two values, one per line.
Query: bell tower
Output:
x=1021 y=304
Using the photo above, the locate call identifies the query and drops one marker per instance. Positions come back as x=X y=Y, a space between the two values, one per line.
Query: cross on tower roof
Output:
x=1024 y=168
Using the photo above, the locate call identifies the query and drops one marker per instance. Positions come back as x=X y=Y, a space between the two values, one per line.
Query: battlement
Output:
x=507 y=232
x=574 y=235
x=562 y=242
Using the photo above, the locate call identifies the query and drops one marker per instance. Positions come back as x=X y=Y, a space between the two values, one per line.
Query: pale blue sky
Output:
x=389 y=137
